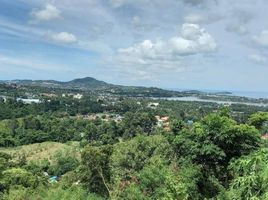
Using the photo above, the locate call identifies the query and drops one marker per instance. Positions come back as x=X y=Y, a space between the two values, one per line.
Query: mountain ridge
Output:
x=95 y=85
x=89 y=82
x=92 y=84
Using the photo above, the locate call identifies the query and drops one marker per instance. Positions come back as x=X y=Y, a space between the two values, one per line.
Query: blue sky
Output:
x=188 y=44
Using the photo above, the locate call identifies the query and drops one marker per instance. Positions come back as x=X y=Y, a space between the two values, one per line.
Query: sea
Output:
x=249 y=94
x=255 y=95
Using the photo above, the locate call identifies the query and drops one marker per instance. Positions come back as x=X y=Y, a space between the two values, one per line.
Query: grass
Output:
x=56 y=193
x=40 y=151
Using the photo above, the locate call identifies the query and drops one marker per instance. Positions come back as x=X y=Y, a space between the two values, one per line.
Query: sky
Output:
x=186 y=44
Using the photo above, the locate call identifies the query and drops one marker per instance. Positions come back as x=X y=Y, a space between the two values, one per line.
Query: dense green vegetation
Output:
x=93 y=86
x=116 y=148
x=90 y=84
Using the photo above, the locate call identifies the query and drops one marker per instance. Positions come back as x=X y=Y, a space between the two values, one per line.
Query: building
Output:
x=53 y=179
x=163 y=122
x=190 y=122
x=29 y=101
x=118 y=118
x=78 y=96
x=4 y=98
x=48 y=95
x=264 y=136
x=153 y=105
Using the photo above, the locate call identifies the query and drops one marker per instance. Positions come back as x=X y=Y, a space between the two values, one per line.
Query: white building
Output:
x=29 y=101
x=153 y=105
x=78 y=96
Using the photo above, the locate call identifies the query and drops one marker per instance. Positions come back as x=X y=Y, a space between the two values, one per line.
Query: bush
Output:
x=19 y=177
x=64 y=162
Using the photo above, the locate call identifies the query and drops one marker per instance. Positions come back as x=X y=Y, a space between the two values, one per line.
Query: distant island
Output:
x=97 y=86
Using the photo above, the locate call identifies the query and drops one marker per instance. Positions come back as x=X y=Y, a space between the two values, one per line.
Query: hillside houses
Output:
x=74 y=96
x=163 y=122
x=49 y=95
x=78 y=96
x=153 y=105
x=29 y=101
x=103 y=117
x=264 y=136
x=4 y=98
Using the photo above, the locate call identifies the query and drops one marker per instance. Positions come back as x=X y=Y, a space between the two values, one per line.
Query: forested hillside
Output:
x=131 y=148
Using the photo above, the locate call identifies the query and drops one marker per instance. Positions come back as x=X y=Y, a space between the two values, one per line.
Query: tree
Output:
x=6 y=140
x=95 y=171
x=130 y=157
x=139 y=122
x=212 y=143
x=64 y=162
x=259 y=120
x=177 y=126
x=158 y=180
x=19 y=176
x=92 y=132
x=250 y=177
x=109 y=132
x=143 y=167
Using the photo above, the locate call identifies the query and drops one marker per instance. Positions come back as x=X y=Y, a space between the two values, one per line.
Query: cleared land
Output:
x=41 y=151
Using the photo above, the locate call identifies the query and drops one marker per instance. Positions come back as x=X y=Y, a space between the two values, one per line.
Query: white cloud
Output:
x=62 y=37
x=120 y=3
x=9 y=62
x=141 y=26
x=195 y=18
x=117 y=3
x=239 y=22
x=136 y=21
x=193 y=40
x=258 y=58
x=20 y=30
x=48 y=13
x=240 y=29
x=262 y=38
x=199 y=2
x=161 y=56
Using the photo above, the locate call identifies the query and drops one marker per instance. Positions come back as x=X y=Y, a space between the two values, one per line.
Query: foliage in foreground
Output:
x=214 y=158
x=57 y=193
